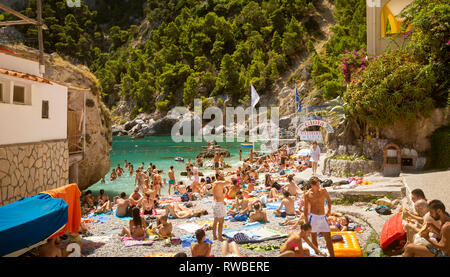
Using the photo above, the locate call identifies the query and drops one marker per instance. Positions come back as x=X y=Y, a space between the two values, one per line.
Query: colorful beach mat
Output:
x=187 y=240
x=254 y=233
x=132 y=242
x=276 y=205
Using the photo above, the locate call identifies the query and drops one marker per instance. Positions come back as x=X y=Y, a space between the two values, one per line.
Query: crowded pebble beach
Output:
x=263 y=205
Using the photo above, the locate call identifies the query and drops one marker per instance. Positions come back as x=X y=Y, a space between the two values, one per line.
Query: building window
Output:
x=45 y=108
x=19 y=95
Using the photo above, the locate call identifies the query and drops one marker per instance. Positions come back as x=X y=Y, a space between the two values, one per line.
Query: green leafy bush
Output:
x=393 y=87
x=440 y=148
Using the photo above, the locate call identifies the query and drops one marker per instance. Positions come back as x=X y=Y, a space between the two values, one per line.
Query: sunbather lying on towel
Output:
x=293 y=246
x=180 y=211
x=294 y=223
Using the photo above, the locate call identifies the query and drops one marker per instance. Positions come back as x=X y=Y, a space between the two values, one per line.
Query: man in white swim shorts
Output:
x=315 y=197
x=219 y=205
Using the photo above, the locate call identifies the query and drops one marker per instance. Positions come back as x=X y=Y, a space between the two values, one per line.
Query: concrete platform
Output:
x=435 y=185
x=396 y=189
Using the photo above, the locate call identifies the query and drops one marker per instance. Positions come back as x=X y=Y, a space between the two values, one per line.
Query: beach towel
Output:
x=101 y=218
x=262 y=247
x=189 y=227
x=120 y=217
x=153 y=235
x=276 y=205
x=160 y=255
x=254 y=233
x=71 y=195
x=187 y=240
x=312 y=253
x=169 y=200
x=133 y=242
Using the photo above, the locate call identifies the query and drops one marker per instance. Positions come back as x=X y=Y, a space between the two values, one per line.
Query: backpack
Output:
x=185 y=198
x=383 y=210
x=240 y=217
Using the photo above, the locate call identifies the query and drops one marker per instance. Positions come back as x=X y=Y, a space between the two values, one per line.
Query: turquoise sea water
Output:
x=161 y=151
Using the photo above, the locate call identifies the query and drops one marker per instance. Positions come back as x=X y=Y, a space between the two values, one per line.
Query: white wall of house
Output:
x=22 y=65
x=23 y=123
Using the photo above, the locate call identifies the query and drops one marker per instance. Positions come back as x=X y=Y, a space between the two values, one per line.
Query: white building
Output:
x=384 y=24
x=34 y=154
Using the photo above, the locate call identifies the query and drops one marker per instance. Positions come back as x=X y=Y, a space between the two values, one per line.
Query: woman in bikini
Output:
x=293 y=246
x=137 y=226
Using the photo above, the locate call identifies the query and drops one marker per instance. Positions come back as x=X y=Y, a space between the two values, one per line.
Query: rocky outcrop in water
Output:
x=209 y=153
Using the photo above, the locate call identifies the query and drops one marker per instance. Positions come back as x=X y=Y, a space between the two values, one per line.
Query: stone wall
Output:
x=343 y=168
x=28 y=169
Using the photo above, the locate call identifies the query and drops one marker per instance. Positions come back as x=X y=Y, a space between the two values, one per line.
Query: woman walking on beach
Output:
x=315 y=157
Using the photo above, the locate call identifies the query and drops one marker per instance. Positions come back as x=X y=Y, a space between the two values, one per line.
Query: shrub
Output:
x=393 y=87
x=440 y=148
x=163 y=105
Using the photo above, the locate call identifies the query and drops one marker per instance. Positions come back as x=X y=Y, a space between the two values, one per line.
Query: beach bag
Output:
x=352 y=226
x=383 y=210
x=240 y=217
x=337 y=238
x=185 y=197
x=327 y=183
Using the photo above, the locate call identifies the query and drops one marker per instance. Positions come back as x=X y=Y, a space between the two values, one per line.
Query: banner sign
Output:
x=320 y=123
x=311 y=136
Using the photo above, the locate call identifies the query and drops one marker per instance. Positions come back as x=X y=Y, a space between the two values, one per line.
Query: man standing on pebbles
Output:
x=219 y=205
x=315 y=157
x=315 y=199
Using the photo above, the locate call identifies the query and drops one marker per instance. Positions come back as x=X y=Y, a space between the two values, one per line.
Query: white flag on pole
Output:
x=255 y=97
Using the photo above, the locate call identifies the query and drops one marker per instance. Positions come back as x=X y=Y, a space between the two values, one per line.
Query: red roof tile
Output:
x=24 y=76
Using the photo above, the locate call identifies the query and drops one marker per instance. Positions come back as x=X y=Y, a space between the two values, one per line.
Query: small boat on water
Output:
x=247 y=145
x=179 y=159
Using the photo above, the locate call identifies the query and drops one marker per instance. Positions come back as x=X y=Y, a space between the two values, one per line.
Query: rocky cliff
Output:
x=96 y=162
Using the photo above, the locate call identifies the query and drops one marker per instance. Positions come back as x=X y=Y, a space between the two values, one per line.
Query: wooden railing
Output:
x=75 y=132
